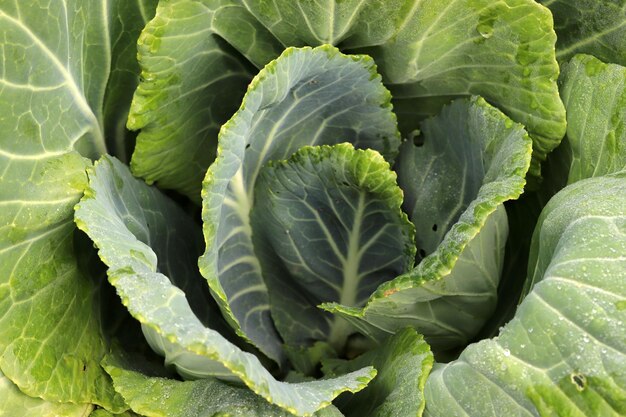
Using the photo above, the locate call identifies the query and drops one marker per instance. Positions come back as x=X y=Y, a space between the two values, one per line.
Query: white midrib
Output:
x=351 y=278
x=242 y=205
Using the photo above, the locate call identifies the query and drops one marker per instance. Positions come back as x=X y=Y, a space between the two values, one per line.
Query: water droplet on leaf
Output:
x=485 y=30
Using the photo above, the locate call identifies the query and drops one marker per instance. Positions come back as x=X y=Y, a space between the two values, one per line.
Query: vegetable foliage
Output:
x=277 y=208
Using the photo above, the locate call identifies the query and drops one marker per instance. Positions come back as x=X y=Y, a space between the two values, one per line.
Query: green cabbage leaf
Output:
x=427 y=51
x=312 y=208
x=65 y=64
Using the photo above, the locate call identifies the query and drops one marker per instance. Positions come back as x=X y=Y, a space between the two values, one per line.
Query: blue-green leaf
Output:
x=328 y=227
x=306 y=97
x=473 y=159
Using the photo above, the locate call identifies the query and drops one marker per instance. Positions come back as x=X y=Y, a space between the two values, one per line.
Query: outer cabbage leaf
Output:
x=595 y=97
x=175 y=242
x=564 y=352
x=595 y=145
x=595 y=27
x=327 y=227
x=403 y=362
x=473 y=158
x=15 y=403
x=428 y=51
x=523 y=215
x=306 y=97
x=500 y=50
x=187 y=93
x=55 y=64
x=155 y=396
x=123 y=216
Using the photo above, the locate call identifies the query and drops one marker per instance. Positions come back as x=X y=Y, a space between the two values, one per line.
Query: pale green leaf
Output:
x=594 y=94
x=564 y=352
x=56 y=58
x=306 y=97
x=50 y=333
x=142 y=225
x=15 y=403
x=192 y=82
x=161 y=397
x=473 y=159
x=328 y=227
x=134 y=226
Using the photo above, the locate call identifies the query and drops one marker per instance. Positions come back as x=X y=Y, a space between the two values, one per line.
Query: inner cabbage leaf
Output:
x=328 y=227
x=471 y=158
x=306 y=97
x=403 y=362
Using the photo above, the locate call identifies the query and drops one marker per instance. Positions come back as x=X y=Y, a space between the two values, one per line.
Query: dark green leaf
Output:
x=595 y=27
x=473 y=159
x=329 y=228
